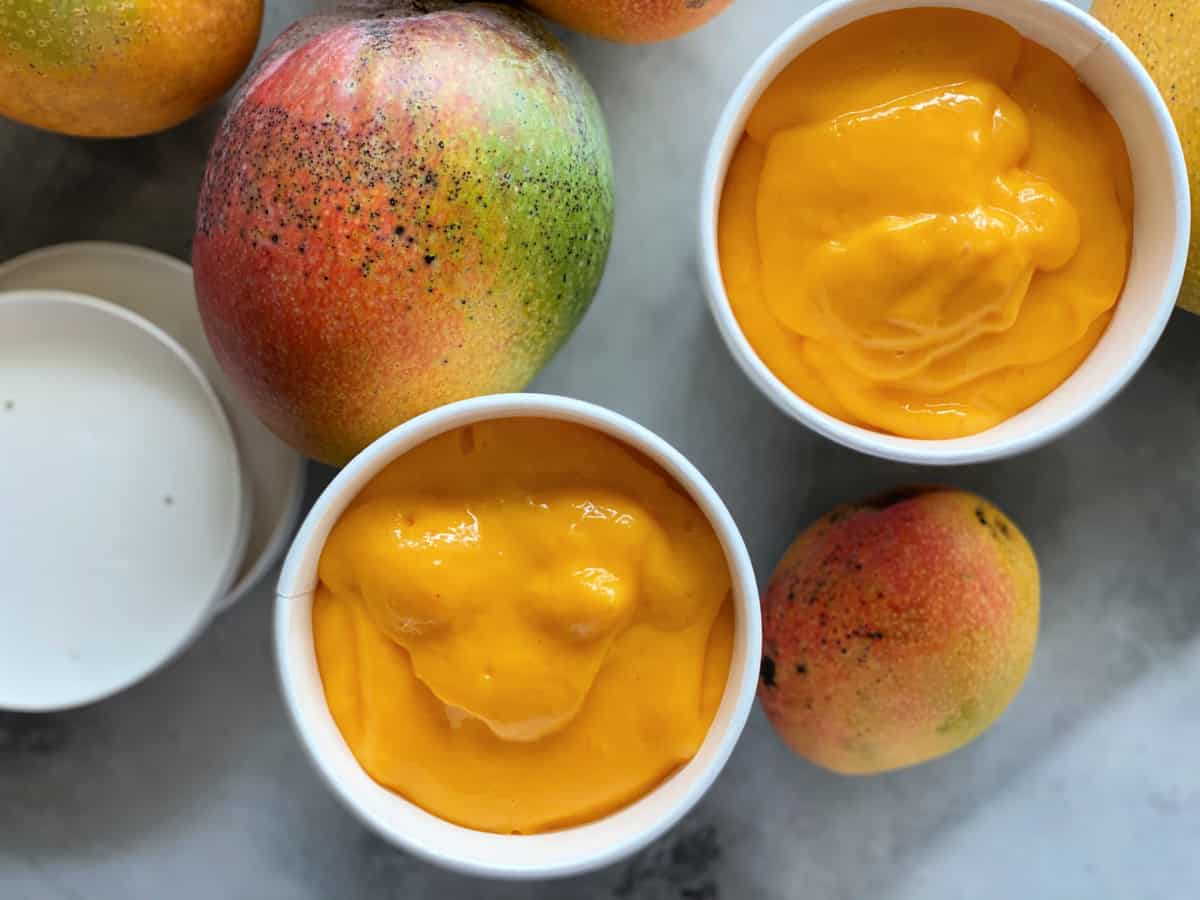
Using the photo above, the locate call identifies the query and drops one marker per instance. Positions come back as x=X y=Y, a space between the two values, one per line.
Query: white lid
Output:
x=122 y=514
x=159 y=288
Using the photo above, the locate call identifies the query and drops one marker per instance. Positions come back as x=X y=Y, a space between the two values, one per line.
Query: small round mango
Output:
x=631 y=21
x=120 y=68
x=898 y=629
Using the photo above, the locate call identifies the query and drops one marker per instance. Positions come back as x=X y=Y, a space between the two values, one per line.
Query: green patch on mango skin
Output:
x=65 y=32
x=963 y=721
x=559 y=224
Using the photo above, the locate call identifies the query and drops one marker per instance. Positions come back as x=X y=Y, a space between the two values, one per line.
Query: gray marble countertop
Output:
x=192 y=785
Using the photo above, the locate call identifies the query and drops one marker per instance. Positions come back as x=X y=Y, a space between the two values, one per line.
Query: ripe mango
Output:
x=408 y=203
x=1164 y=33
x=631 y=21
x=120 y=68
x=897 y=629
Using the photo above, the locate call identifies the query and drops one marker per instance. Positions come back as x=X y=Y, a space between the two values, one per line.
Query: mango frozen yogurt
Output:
x=927 y=223
x=523 y=624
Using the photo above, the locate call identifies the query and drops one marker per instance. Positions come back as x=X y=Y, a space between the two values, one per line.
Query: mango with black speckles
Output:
x=120 y=68
x=1165 y=35
x=631 y=21
x=404 y=207
x=898 y=629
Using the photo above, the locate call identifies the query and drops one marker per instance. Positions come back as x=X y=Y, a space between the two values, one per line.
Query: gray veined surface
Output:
x=193 y=786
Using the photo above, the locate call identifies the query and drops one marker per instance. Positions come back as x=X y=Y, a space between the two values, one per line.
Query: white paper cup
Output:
x=560 y=853
x=1162 y=223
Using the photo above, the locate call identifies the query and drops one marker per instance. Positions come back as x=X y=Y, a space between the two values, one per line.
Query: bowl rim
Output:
x=238 y=535
x=940 y=452
x=297 y=582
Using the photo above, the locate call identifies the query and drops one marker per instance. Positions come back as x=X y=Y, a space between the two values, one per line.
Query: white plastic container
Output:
x=1162 y=223
x=123 y=520
x=406 y=825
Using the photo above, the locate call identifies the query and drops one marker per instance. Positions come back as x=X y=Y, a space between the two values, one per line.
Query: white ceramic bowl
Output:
x=123 y=519
x=1162 y=222
x=406 y=825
